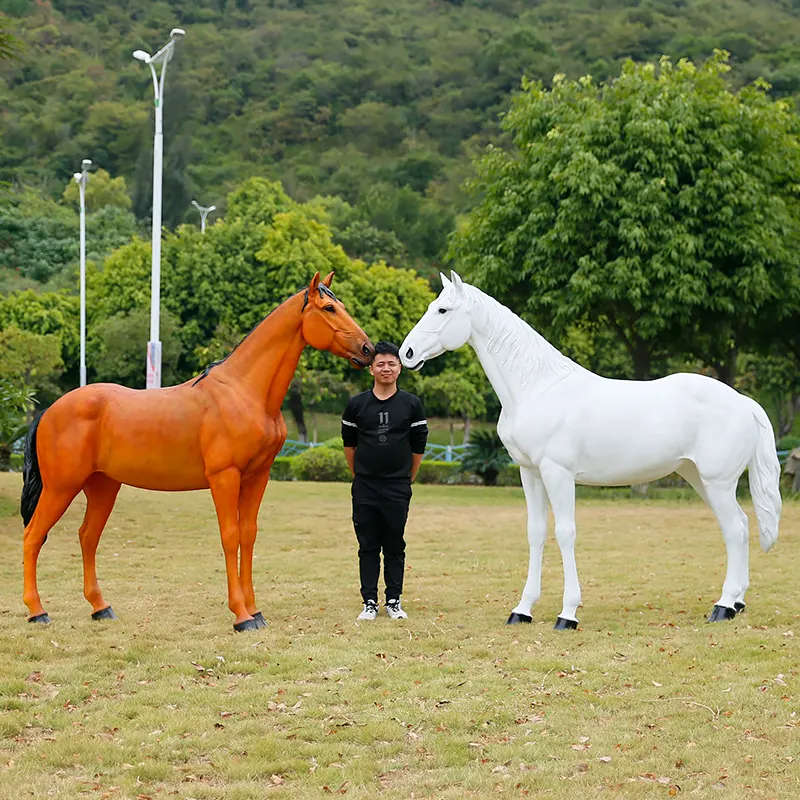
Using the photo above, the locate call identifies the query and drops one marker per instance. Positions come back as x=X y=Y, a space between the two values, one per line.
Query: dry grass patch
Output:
x=645 y=700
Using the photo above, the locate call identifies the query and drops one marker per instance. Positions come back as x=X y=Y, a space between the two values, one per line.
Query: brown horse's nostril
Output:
x=410 y=353
x=366 y=350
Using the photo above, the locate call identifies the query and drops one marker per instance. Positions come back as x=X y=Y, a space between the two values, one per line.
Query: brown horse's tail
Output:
x=31 y=477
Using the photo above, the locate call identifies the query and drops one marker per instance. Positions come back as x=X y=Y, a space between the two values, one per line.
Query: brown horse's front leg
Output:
x=250 y=496
x=225 y=492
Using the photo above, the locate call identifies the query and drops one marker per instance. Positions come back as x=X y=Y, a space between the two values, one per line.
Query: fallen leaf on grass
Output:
x=277 y=780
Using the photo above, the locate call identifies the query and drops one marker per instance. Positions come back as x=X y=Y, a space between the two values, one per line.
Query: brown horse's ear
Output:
x=314 y=285
x=328 y=279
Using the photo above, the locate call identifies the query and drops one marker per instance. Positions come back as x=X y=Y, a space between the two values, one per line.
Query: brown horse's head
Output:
x=328 y=326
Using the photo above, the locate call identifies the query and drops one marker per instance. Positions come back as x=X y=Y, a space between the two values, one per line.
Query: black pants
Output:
x=380 y=510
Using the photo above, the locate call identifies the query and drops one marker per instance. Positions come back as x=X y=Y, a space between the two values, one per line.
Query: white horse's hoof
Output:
x=721 y=613
x=565 y=624
x=515 y=618
x=739 y=607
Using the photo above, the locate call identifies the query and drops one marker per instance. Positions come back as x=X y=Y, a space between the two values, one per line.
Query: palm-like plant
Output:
x=16 y=400
x=486 y=457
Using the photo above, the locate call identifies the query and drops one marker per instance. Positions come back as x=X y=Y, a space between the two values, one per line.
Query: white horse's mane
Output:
x=516 y=344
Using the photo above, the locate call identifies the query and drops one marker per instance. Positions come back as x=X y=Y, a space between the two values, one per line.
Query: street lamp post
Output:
x=204 y=212
x=81 y=178
x=162 y=57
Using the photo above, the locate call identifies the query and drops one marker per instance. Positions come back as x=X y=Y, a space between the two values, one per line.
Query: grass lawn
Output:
x=644 y=700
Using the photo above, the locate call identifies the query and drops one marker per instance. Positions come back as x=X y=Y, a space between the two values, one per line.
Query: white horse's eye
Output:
x=442 y=310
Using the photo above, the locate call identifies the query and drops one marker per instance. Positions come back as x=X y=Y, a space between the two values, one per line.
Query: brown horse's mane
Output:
x=323 y=291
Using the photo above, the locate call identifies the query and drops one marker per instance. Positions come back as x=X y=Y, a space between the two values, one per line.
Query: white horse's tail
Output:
x=765 y=476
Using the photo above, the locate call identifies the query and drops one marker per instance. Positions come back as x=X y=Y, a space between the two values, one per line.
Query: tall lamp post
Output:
x=81 y=178
x=162 y=57
x=204 y=212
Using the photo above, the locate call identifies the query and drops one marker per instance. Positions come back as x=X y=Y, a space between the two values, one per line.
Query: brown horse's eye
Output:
x=330 y=308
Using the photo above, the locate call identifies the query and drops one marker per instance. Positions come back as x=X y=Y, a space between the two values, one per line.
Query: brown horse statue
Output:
x=220 y=431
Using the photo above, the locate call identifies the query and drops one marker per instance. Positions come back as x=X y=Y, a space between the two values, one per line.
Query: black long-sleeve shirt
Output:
x=385 y=433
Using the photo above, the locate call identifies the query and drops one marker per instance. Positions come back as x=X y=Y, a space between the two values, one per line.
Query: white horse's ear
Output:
x=445 y=280
x=458 y=284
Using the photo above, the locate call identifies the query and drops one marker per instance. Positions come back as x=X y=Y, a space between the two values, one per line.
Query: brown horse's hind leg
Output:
x=49 y=510
x=225 y=487
x=250 y=496
x=101 y=494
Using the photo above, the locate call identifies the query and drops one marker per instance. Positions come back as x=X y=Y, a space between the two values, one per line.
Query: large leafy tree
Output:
x=661 y=205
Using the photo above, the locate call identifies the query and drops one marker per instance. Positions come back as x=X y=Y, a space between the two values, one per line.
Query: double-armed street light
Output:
x=81 y=178
x=162 y=57
x=204 y=212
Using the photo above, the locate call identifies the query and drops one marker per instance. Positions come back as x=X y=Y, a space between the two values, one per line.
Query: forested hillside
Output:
x=380 y=102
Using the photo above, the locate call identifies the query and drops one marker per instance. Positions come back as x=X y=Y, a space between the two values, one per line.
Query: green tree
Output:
x=38 y=237
x=10 y=46
x=458 y=391
x=48 y=313
x=101 y=190
x=117 y=349
x=31 y=359
x=16 y=403
x=775 y=381
x=661 y=205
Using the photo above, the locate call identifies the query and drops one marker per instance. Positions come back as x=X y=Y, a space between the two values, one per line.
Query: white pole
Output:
x=154 y=345
x=81 y=178
x=153 y=376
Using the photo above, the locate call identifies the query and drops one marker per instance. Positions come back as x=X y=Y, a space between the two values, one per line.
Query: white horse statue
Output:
x=565 y=425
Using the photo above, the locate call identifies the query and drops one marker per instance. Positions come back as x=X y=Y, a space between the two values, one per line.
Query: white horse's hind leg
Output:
x=733 y=521
x=560 y=486
x=745 y=566
x=536 y=499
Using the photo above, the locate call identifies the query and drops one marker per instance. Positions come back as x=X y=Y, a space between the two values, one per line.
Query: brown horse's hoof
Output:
x=246 y=625
x=105 y=613
x=260 y=621
x=42 y=618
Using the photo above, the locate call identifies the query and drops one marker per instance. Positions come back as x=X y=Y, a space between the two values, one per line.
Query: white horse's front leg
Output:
x=536 y=499
x=560 y=486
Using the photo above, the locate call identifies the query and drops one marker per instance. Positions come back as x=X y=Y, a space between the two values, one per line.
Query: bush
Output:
x=509 y=476
x=320 y=464
x=436 y=471
x=486 y=457
x=281 y=469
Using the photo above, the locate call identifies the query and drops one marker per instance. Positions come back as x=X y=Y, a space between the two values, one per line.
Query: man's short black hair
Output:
x=387 y=348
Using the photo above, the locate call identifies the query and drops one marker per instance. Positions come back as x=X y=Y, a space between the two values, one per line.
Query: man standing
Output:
x=384 y=431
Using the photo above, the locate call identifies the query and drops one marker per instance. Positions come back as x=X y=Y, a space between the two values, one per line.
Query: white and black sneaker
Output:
x=370 y=611
x=395 y=610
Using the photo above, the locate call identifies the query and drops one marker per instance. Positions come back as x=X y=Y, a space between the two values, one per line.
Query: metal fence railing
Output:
x=433 y=452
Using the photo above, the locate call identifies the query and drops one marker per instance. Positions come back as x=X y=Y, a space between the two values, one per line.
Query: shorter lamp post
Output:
x=204 y=212
x=81 y=178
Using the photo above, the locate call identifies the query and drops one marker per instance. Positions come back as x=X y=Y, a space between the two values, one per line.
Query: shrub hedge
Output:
x=320 y=464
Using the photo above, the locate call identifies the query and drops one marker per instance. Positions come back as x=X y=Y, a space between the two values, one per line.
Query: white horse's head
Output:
x=446 y=325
